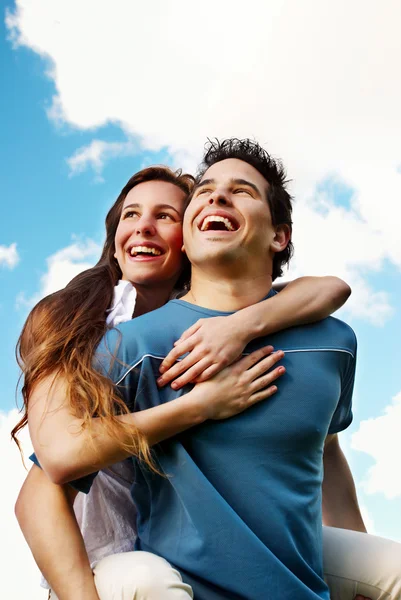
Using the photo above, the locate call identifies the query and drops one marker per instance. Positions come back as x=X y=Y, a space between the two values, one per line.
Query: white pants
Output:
x=358 y=563
x=354 y=563
x=138 y=576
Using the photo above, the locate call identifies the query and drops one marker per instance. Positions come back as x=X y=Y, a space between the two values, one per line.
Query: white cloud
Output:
x=97 y=153
x=9 y=256
x=313 y=81
x=20 y=576
x=337 y=241
x=62 y=267
x=380 y=438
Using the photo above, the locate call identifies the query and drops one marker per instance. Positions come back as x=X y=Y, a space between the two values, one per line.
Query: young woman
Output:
x=77 y=421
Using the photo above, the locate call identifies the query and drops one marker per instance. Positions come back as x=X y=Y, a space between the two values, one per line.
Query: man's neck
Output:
x=227 y=295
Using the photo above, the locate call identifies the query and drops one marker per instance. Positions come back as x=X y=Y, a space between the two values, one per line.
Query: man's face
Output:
x=228 y=218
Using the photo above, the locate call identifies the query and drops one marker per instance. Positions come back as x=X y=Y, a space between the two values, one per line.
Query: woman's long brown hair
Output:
x=63 y=330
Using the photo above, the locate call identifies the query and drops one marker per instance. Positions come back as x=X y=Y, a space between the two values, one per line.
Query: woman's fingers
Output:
x=180 y=367
x=182 y=348
x=264 y=365
x=191 y=374
x=194 y=367
x=263 y=381
x=188 y=332
x=251 y=359
x=208 y=373
x=260 y=374
x=262 y=395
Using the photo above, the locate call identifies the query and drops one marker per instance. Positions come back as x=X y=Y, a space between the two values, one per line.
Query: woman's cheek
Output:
x=176 y=239
x=123 y=234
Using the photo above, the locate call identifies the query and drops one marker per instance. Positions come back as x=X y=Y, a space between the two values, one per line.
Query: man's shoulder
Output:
x=342 y=334
x=151 y=335
x=146 y=332
x=154 y=317
x=328 y=334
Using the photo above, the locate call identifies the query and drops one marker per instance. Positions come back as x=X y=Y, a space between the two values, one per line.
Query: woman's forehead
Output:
x=152 y=193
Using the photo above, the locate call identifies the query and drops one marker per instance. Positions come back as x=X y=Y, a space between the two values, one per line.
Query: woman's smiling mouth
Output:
x=144 y=251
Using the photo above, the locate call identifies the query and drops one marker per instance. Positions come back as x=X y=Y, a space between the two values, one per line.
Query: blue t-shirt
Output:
x=239 y=511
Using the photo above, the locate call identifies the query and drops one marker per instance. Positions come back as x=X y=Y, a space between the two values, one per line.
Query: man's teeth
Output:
x=216 y=218
x=144 y=249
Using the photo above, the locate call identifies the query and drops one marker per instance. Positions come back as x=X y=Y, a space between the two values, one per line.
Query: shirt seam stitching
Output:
x=285 y=351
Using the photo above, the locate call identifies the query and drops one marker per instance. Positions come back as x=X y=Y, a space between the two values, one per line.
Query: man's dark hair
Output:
x=279 y=200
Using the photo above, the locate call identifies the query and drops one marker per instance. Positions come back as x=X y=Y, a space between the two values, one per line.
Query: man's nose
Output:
x=219 y=197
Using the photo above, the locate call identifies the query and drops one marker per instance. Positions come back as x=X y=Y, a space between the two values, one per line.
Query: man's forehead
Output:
x=231 y=169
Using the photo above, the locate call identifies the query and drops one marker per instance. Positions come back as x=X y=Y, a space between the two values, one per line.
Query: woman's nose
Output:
x=145 y=226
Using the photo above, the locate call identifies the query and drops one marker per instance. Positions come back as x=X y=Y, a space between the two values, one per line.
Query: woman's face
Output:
x=148 y=238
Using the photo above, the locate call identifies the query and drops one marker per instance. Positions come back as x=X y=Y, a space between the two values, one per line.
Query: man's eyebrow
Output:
x=247 y=183
x=234 y=181
x=158 y=206
x=206 y=182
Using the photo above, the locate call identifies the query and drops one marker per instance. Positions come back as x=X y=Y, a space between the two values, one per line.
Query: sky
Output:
x=93 y=91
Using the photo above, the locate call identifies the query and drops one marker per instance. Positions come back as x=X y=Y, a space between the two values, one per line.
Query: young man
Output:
x=238 y=512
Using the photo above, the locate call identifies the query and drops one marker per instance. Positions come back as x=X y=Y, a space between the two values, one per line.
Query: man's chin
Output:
x=213 y=256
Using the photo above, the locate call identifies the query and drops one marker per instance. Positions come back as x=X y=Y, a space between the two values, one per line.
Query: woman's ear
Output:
x=281 y=238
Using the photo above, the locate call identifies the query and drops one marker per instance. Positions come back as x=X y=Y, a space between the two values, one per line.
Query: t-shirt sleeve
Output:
x=34 y=459
x=342 y=417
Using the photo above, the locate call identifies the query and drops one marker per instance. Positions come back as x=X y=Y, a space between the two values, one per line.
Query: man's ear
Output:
x=281 y=238
x=183 y=249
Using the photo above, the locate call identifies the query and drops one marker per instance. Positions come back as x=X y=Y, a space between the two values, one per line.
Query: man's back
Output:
x=239 y=511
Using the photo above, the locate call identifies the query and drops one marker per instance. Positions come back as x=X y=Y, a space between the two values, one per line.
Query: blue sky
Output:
x=345 y=202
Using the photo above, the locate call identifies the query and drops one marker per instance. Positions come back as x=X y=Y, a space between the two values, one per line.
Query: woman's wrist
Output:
x=246 y=324
x=196 y=407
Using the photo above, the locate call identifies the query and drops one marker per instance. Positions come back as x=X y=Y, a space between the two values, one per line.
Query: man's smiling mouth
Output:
x=218 y=223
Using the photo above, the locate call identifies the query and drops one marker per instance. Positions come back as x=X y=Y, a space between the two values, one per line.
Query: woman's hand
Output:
x=212 y=344
x=240 y=385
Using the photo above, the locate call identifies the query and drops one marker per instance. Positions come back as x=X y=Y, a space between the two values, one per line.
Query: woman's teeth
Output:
x=144 y=250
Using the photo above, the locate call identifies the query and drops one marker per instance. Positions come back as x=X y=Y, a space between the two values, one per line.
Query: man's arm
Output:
x=47 y=520
x=340 y=503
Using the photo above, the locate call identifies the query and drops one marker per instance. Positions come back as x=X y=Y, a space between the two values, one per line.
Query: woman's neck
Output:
x=150 y=298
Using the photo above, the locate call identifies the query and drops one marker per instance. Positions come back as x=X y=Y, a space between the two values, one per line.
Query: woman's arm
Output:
x=304 y=300
x=215 y=343
x=47 y=520
x=65 y=452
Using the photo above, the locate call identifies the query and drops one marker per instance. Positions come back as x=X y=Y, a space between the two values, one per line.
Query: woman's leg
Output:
x=359 y=563
x=139 y=576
